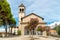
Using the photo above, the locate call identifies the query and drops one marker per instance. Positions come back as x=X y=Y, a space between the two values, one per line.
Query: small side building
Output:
x=13 y=30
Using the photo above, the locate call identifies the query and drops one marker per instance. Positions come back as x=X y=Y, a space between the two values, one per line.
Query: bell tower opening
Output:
x=22 y=10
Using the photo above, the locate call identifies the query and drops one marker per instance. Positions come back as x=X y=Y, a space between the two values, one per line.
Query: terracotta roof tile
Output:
x=33 y=14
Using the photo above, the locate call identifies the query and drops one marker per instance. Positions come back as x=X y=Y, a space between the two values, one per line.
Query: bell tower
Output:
x=21 y=14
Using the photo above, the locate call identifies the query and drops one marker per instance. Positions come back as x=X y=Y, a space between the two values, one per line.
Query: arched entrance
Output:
x=28 y=32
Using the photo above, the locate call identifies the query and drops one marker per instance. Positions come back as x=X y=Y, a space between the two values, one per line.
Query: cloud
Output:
x=54 y=24
x=48 y=9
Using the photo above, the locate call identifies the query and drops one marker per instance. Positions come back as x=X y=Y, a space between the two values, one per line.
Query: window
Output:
x=22 y=10
x=21 y=19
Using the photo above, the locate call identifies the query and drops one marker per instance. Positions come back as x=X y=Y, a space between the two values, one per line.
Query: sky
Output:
x=48 y=9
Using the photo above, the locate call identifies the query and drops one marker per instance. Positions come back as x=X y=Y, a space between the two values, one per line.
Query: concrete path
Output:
x=28 y=37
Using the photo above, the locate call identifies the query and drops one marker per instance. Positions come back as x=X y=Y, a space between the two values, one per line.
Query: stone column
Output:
x=36 y=33
x=44 y=33
x=16 y=31
x=10 y=30
x=22 y=31
x=13 y=31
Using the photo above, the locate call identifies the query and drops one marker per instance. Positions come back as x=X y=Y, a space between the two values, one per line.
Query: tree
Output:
x=57 y=28
x=32 y=25
x=6 y=17
x=12 y=23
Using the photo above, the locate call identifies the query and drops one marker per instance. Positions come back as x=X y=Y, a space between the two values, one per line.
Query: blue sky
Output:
x=48 y=9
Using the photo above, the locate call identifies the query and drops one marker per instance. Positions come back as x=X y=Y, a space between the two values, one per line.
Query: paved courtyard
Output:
x=28 y=37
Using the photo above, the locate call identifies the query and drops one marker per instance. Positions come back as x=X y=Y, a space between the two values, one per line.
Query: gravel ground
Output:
x=28 y=37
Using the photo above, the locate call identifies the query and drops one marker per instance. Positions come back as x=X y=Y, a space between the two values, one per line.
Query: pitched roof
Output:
x=22 y=5
x=33 y=14
x=28 y=23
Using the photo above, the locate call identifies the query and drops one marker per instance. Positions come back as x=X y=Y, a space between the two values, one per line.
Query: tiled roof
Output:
x=21 y=5
x=28 y=23
x=35 y=15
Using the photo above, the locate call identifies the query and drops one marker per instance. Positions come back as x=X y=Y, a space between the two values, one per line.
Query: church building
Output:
x=24 y=19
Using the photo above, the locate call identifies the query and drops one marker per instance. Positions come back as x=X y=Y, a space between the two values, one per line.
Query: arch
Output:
x=22 y=10
x=26 y=31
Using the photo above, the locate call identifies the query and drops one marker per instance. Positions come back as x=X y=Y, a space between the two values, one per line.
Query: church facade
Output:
x=24 y=19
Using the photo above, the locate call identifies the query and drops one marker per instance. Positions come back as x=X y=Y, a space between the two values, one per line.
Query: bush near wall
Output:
x=38 y=29
x=19 y=32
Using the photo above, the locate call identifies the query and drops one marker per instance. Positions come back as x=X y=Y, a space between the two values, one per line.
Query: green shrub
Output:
x=19 y=32
x=59 y=31
x=38 y=29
